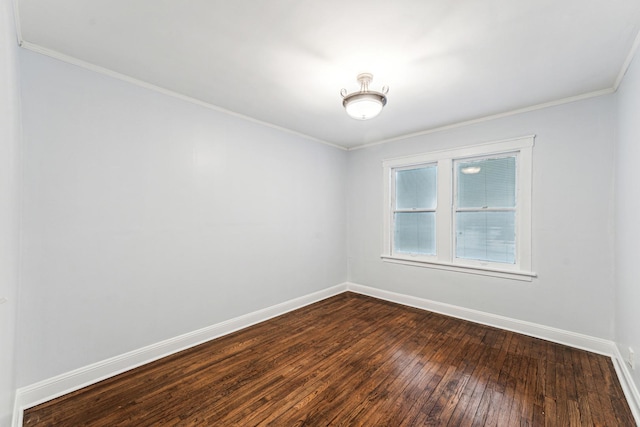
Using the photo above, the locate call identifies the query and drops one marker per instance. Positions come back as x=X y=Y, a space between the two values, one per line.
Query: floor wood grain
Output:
x=356 y=360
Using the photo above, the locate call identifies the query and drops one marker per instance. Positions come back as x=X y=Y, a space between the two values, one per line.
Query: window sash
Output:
x=460 y=177
x=484 y=241
x=421 y=239
x=486 y=237
x=431 y=233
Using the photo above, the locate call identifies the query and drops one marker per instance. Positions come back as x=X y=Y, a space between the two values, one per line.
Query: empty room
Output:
x=239 y=213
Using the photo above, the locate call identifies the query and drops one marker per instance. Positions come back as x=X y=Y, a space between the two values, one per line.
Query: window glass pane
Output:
x=486 y=236
x=416 y=188
x=415 y=232
x=486 y=183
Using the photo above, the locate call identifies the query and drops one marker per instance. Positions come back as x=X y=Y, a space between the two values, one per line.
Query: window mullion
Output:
x=390 y=203
x=444 y=214
x=523 y=214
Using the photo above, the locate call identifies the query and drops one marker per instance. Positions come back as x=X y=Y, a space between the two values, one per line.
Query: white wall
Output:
x=9 y=205
x=146 y=217
x=572 y=221
x=627 y=242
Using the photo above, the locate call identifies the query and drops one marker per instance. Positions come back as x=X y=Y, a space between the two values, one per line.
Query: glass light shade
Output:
x=364 y=106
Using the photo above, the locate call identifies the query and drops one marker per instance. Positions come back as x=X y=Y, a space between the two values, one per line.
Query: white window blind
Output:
x=485 y=209
x=414 y=215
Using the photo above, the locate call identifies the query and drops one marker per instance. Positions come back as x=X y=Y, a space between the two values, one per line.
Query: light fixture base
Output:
x=364 y=79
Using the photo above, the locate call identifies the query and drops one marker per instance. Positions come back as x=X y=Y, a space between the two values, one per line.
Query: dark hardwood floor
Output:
x=355 y=360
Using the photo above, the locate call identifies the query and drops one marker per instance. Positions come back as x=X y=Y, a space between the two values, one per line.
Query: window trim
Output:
x=445 y=243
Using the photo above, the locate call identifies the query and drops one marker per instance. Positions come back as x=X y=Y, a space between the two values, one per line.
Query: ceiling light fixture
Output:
x=470 y=170
x=366 y=104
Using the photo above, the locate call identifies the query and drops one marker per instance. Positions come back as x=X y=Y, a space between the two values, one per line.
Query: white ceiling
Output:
x=284 y=61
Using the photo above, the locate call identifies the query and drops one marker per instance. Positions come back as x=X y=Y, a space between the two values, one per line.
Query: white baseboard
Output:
x=571 y=339
x=34 y=394
x=628 y=386
x=29 y=396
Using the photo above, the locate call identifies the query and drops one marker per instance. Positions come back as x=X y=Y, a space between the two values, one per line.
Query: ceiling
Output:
x=284 y=61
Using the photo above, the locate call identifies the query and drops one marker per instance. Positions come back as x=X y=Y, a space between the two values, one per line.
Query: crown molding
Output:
x=627 y=62
x=132 y=80
x=489 y=118
x=92 y=67
x=16 y=18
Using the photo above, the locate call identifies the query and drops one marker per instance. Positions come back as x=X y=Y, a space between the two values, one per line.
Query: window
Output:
x=467 y=209
x=414 y=214
x=485 y=209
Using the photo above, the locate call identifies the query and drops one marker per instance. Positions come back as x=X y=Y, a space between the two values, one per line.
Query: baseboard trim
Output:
x=34 y=394
x=571 y=339
x=628 y=386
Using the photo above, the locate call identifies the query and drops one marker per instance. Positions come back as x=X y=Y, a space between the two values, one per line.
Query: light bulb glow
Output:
x=470 y=170
x=364 y=106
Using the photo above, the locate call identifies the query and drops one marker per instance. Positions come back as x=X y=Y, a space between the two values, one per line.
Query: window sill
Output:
x=526 y=276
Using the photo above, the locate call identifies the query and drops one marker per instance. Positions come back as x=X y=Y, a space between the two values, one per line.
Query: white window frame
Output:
x=445 y=227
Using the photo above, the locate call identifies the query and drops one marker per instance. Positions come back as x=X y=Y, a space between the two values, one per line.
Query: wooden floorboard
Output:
x=357 y=361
